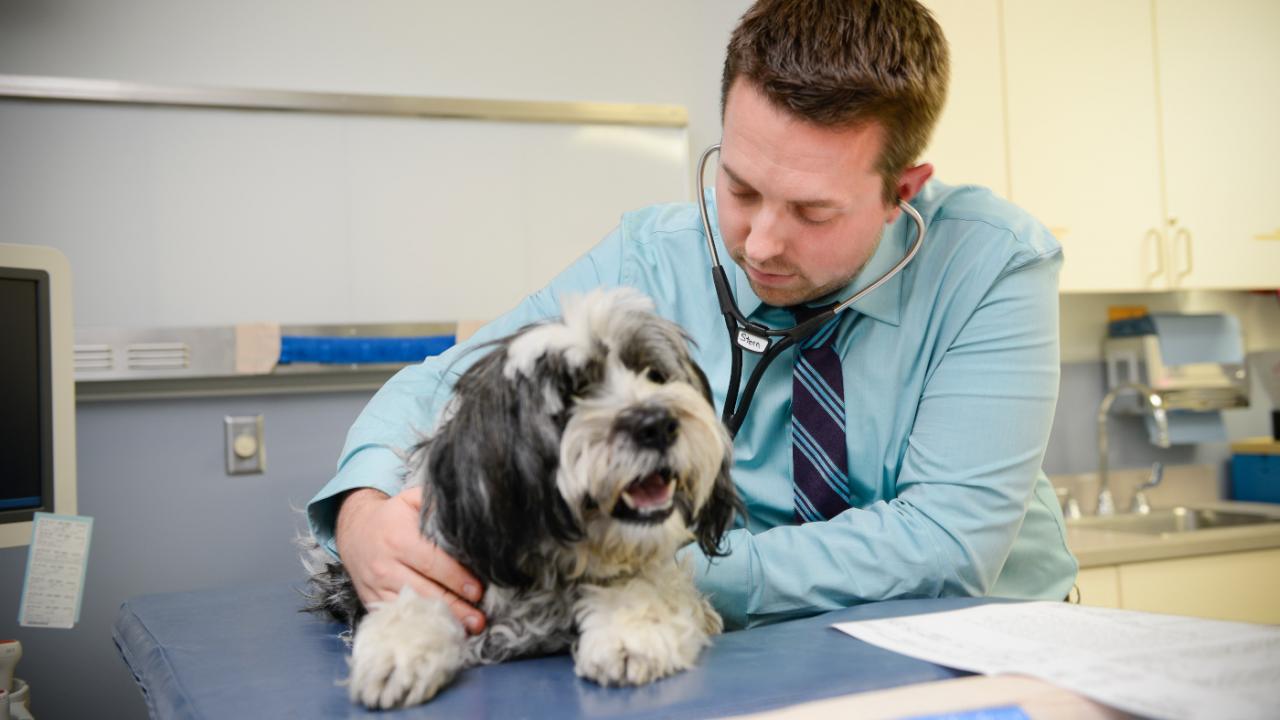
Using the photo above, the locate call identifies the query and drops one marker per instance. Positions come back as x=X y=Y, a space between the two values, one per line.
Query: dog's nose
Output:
x=651 y=427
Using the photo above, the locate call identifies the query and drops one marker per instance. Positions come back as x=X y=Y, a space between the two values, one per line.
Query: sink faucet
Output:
x=1139 y=504
x=1155 y=405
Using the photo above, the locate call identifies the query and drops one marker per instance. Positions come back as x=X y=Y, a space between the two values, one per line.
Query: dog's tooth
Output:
x=627 y=499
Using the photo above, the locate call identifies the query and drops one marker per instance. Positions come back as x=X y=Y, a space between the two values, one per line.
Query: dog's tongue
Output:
x=653 y=489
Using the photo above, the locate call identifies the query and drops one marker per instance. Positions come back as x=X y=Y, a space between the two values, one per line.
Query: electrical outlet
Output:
x=246 y=453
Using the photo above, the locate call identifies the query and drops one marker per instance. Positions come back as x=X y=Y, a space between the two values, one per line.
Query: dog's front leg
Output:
x=404 y=651
x=637 y=630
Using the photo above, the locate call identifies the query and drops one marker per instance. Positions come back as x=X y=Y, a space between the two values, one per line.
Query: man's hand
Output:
x=383 y=550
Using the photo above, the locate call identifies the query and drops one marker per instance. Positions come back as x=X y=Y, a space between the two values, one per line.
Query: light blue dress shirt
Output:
x=951 y=377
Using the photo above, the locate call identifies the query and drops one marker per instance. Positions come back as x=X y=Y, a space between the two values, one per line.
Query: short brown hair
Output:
x=842 y=63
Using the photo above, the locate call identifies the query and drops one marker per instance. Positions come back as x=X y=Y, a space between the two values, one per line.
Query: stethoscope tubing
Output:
x=735 y=412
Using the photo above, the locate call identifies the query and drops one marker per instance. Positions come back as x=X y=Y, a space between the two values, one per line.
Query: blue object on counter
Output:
x=1255 y=471
x=357 y=350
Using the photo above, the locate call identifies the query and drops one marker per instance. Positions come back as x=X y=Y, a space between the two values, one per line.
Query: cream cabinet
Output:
x=1099 y=586
x=1084 y=157
x=968 y=145
x=1219 y=80
x=1143 y=133
x=1241 y=586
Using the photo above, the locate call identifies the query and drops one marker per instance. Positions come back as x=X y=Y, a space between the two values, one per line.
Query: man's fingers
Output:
x=434 y=563
x=473 y=620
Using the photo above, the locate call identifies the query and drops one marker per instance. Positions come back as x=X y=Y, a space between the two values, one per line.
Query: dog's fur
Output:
x=573 y=461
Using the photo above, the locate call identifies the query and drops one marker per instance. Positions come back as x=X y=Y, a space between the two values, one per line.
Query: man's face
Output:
x=800 y=206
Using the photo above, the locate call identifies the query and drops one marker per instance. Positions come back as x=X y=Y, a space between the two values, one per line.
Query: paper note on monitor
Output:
x=56 y=562
x=1157 y=665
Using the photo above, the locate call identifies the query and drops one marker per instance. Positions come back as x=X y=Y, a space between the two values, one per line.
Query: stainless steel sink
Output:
x=1175 y=520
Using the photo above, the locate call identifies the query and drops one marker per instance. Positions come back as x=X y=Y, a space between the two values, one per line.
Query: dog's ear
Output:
x=491 y=474
x=723 y=505
x=702 y=383
x=717 y=514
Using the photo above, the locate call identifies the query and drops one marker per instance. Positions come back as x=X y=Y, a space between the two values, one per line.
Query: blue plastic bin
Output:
x=1255 y=470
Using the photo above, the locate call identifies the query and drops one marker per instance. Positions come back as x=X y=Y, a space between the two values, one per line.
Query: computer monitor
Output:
x=37 y=389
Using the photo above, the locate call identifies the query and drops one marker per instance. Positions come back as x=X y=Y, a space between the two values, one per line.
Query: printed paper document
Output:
x=1162 y=666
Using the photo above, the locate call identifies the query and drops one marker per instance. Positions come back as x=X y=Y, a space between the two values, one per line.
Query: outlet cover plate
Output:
x=246 y=453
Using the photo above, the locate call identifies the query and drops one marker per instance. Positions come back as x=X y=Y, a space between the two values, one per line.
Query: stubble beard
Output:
x=790 y=297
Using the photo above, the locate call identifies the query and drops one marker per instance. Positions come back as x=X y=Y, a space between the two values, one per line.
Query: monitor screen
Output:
x=26 y=459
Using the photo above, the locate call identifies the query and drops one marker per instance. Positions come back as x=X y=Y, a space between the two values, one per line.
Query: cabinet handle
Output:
x=1273 y=235
x=1153 y=235
x=1184 y=235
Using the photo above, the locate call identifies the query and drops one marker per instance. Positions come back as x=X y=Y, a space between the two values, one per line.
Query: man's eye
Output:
x=655 y=376
x=815 y=220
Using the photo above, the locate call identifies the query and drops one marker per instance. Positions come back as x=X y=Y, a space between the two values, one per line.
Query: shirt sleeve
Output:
x=972 y=460
x=406 y=407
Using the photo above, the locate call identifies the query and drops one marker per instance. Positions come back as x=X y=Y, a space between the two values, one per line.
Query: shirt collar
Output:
x=883 y=304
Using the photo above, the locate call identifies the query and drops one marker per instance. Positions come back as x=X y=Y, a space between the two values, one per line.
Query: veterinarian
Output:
x=941 y=383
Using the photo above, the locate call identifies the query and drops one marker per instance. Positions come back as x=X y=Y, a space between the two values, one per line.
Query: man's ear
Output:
x=909 y=183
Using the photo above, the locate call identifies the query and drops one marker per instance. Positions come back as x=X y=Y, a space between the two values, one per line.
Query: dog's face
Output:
x=593 y=435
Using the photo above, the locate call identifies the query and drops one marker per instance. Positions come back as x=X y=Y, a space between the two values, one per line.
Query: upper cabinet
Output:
x=968 y=146
x=1144 y=133
x=1084 y=156
x=1219 y=80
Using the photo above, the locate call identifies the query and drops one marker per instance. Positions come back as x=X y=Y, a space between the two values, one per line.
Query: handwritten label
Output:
x=56 y=562
x=754 y=343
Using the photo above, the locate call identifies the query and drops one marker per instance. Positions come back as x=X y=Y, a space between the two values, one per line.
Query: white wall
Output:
x=197 y=217
x=658 y=51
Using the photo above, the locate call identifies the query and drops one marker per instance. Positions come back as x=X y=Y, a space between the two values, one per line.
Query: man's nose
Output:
x=764 y=241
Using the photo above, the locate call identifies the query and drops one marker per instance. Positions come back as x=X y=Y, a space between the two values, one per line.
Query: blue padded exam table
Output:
x=247 y=652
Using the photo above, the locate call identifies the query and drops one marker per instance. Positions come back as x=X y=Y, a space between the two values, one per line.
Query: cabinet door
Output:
x=1220 y=91
x=968 y=145
x=1099 y=586
x=1083 y=149
x=1234 y=586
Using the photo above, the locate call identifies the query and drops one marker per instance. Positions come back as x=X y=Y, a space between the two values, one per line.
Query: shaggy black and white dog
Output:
x=572 y=462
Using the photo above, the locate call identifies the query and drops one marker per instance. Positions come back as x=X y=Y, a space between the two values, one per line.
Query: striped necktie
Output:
x=819 y=456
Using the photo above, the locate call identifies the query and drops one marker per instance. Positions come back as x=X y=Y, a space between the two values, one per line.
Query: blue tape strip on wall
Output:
x=354 y=350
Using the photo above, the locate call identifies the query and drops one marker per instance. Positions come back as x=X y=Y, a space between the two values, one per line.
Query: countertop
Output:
x=1192 y=486
x=1095 y=548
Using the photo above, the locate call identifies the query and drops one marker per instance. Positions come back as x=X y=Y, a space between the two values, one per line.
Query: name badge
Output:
x=754 y=343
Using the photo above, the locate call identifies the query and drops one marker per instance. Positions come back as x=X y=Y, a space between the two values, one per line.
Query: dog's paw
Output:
x=634 y=658
x=404 y=652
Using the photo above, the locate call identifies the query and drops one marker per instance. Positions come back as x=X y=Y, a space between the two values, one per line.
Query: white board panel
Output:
x=187 y=217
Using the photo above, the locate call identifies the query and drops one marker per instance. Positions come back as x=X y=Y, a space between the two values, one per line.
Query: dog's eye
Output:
x=655 y=376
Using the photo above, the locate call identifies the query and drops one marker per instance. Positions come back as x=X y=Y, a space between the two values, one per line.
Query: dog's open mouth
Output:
x=648 y=498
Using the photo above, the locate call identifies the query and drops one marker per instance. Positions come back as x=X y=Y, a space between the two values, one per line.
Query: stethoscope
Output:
x=756 y=338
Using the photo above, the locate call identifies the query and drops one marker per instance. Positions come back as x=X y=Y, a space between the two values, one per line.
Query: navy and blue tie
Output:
x=819 y=455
